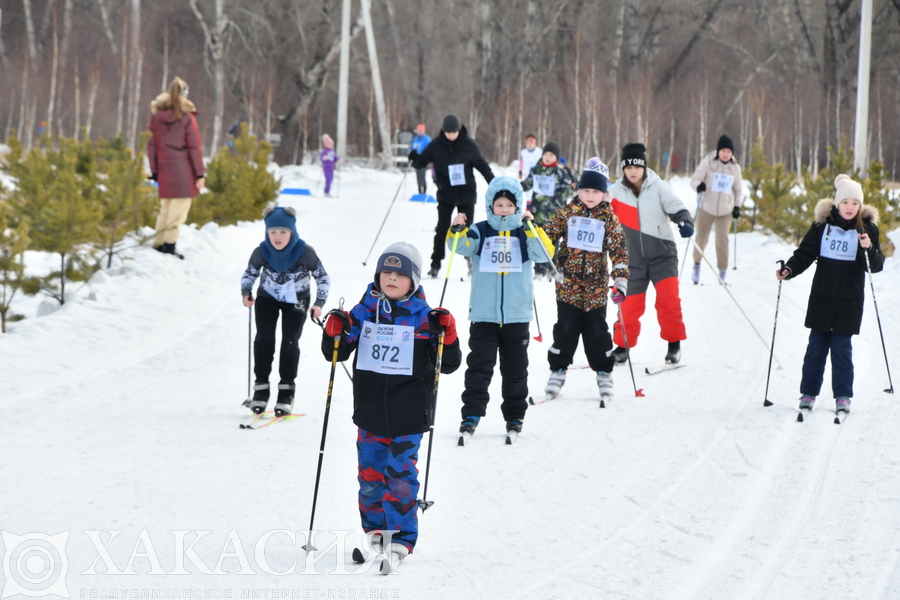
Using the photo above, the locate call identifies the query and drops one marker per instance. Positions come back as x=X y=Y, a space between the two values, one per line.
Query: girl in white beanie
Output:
x=843 y=232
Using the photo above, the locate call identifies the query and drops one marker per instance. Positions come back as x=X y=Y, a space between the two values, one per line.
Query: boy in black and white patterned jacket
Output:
x=284 y=263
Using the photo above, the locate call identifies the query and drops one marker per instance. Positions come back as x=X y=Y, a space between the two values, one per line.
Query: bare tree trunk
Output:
x=124 y=75
x=672 y=71
x=64 y=56
x=215 y=50
x=53 y=71
x=133 y=83
x=134 y=104
x=77 y=127
x=92 y=98
x=22 y=109
x=29 y=30
x=107 y=29
x=165 y=74
x=377 y=90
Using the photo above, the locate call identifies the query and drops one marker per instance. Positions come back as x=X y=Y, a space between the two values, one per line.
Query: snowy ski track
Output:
x=121 y=413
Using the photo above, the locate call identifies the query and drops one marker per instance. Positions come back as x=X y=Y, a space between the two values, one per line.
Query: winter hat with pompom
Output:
x=595 y=175
x=846 y=188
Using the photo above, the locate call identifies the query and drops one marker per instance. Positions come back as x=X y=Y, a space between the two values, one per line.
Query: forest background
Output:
x=591 y=75
x=778 y=76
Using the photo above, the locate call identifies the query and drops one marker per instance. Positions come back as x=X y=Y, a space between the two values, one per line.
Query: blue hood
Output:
x=511 y=222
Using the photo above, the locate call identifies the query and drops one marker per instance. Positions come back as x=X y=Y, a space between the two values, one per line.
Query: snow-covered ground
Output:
x=120 y=413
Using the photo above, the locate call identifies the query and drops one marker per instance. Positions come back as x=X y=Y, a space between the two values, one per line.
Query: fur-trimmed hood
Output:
x=162 y=102
x=824 y=206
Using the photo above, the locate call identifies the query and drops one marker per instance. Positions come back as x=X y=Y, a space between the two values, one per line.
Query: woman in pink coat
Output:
x=176 y=161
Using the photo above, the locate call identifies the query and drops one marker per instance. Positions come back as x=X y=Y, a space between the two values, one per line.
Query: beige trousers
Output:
x=704 y=223
x=173 y=213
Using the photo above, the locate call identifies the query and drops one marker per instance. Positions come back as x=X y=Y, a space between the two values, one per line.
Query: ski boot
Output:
x=673 y=355
x=695 y=274
x=555 y=383
x=807 y=402
x=722 y=277
x=260 y=397
x=513 y=429
x=621 y=355
x=842 y=404
x=392 y=559
x=433 y=273
x=285 y=401
x=605 y=385
x=467 y=428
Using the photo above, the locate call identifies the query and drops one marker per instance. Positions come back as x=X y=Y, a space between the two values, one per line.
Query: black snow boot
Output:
x=674 y=353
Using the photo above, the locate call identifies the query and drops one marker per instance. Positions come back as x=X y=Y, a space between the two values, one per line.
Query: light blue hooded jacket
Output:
x=502 y=297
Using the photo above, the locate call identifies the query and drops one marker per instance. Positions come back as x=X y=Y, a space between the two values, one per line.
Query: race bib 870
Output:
x=586 y=234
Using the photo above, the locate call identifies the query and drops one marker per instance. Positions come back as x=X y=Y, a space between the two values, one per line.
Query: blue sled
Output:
x=422 y=198
x=296 y=192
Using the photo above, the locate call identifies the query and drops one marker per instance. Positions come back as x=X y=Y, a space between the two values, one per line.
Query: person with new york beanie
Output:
x=720 y=193
x=284 y=264
x=842 y=241
x=394 y=334
x=645 y=205
x=455 y=157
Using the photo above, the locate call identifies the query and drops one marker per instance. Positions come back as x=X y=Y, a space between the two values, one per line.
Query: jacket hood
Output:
x=508 y=223
x=825 y=205
x=163 y=103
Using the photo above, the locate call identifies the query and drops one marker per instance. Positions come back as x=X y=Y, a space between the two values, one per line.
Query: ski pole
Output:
x=539 y=337
x=637 y=392
x=424 y=503
x=455 y=229
x=322 y=325
x=249 y=346
x=399 y=187
x=687 y=249
x=556 y=274
x=734 y=268
x=889 y=390
x=768 y=402
x=725 y=287
x=334 y=359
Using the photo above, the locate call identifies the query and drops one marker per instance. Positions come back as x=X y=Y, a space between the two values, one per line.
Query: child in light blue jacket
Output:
x=502 y=250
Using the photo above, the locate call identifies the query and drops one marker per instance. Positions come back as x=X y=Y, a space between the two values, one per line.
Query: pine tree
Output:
x=13 y=242
x=239 y=183
x=125 y=199
x=754 y=175
x=56 y=195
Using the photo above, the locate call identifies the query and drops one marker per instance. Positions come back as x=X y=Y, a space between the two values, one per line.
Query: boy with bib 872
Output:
x=394 y=333
x=502 y=252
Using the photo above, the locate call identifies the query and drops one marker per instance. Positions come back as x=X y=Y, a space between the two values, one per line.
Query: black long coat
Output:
x=838 y=290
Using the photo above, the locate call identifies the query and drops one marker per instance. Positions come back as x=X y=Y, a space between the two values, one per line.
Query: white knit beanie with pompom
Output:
x=846 y=188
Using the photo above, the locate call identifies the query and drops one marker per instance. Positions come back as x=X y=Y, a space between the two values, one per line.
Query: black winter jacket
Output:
x=461 y=151
x=838 y=289
x=394 y=405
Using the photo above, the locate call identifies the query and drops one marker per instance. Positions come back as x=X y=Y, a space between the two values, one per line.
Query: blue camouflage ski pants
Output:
x=389 y=484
